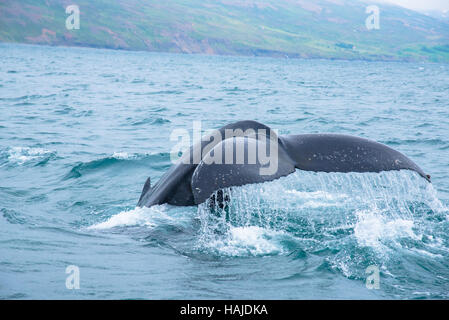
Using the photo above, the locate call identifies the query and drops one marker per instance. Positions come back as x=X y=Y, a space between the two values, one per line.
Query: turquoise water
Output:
x=82 y=129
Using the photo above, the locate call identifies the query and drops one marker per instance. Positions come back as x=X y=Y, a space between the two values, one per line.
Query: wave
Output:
x=154 y=160
x=28 y=97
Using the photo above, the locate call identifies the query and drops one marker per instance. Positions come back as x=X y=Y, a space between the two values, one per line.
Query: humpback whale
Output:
x=216 y=162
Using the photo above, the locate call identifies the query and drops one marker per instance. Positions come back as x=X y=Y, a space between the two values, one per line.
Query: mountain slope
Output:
x=294 y=28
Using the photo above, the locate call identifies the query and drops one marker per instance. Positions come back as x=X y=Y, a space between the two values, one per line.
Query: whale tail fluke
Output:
x=248 y=152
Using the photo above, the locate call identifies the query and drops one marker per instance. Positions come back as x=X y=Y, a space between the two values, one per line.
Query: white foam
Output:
x=122 y=155
x=244 y=241
x=21 y=155
x=148 y=217
x=372 y=228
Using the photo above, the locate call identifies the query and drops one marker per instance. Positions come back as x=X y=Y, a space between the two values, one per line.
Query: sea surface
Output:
x=82 y=129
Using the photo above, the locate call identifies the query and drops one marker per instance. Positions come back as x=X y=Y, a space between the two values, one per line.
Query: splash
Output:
x=319 y=211
x=374 y=227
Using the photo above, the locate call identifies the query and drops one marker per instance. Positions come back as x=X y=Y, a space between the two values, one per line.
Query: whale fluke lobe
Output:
x=250 y=152
x=343 y=153
x=222 y=175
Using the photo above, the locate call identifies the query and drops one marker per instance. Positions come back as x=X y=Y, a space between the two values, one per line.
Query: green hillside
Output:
x=295 y=28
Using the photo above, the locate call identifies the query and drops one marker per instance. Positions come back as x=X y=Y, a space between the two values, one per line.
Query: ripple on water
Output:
x=152 y=121
x=13 y=216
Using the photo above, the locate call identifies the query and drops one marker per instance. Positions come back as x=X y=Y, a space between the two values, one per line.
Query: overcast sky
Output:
x=440 y=5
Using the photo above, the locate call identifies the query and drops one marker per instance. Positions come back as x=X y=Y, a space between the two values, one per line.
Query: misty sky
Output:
x=440 y=5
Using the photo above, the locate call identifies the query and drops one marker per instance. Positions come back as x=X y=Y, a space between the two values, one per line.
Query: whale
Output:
x=247 y=152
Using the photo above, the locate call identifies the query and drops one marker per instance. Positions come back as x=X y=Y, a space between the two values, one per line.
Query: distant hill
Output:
x=295 y=28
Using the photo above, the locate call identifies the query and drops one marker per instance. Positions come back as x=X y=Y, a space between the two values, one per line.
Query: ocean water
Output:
x=82 y=129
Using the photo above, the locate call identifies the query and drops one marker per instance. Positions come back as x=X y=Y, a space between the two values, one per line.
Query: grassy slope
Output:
x=297 y=28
